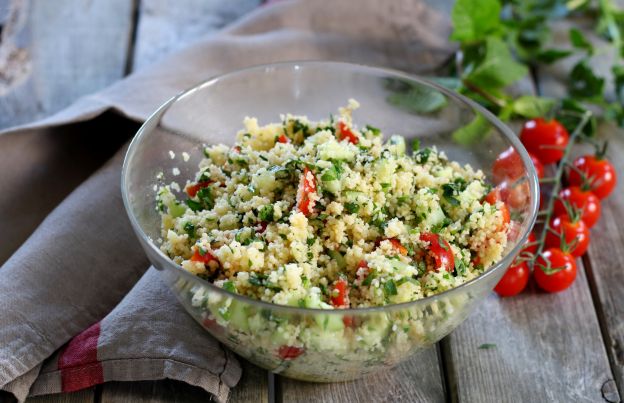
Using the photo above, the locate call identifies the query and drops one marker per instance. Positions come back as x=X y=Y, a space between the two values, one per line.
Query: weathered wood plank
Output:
x=75 y=47
x=167 y=25
x=547 y=347
x=605 y=260
x=153 y=392
x=419 y=379
x=82 y=396
x=253 y=386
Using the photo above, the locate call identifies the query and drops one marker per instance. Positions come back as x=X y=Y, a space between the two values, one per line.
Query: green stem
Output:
x=557 y=184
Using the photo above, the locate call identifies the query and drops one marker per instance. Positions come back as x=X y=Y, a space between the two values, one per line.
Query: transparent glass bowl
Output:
x=313 y=344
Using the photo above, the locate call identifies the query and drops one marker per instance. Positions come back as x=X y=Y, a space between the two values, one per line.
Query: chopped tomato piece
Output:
x=192 y=190
x=495 y=196
x=362 y=271
x=307 y=187
x=290 y=352
x=345 y=132
x=398 y=246
x=261 y=227
x=206 y=258
x=340 y=294
x=347 y=321
x=283 y=139
x=440 y=250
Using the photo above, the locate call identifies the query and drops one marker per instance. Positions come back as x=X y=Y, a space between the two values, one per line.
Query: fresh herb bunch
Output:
x=503 y=42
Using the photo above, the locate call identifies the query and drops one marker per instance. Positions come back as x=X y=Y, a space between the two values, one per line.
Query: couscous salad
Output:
x=330 y=215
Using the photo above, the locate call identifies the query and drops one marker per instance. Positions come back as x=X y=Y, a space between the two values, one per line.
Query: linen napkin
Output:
x=62 y=292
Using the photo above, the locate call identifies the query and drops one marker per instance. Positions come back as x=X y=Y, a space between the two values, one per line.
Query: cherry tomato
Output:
x=587 y=202
x=396 y=244
x=530 y=245
x=508 y=166
x=289 y=352
x=600 y=175
x=514 y=280
x=192 y=190
x=345 y=132
x=340 y=294
x=545 y=139
x=307 y=186
x=283 y=139
x=563 y=270
x=576 y=235
x=539 y=167
x=440 y=250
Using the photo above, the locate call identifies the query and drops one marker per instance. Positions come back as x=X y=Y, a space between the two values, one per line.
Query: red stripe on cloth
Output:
x=78 y=361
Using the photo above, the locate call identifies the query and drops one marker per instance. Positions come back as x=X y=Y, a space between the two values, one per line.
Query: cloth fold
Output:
x=69 y=294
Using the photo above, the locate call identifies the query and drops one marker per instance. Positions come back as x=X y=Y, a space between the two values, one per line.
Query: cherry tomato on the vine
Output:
x=554 y=270
x=539 y=167
x=546 y=139
x=508 y=166
x=513 y=281
x=530 y=245
x=599 y=173
x=575 y=234
x=585 y=201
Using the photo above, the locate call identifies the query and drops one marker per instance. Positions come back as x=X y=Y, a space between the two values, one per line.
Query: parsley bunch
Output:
x=503 y=42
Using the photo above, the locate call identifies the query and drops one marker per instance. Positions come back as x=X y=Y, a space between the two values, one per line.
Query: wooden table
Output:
x=567 y=347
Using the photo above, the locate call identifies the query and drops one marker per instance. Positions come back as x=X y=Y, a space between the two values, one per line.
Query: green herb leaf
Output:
x=498 y=69
x=552 y=55
x=418 y=99
x=229 y=286
x=583 y=83
x=189 y=228
x=532 y=107
x=487 y=346
x=473 y=20
x=266 y=213
x=579 y=41
x=472 y=133
x=193 y=205
x=375 y=131
x=390 y=288
x=352 y=208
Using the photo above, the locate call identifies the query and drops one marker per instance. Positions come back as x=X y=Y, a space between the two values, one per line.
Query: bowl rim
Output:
x=505 y=261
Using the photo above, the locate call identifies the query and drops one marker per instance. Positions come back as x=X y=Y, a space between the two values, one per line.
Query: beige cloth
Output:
x=83 y=258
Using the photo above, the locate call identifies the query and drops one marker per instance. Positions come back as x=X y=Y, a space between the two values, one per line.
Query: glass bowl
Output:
x=303 y=343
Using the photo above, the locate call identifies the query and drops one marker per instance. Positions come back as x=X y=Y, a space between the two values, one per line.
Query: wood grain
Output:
x=153 y=392
x=253 y=385
x=76 y=47
x=82 y=396
x=167 y=25
x=546 y=347
x=604 y=259
x=419 y=379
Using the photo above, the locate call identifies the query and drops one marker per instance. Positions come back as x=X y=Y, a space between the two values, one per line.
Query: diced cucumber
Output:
x=436 y=216
x=396 y=145
x=238 y=316
x=264 y=181
x=329 y=322
x=384 y=169
x=335 y=151
x=333 y=186
x=340 y=260
x=175 y=209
